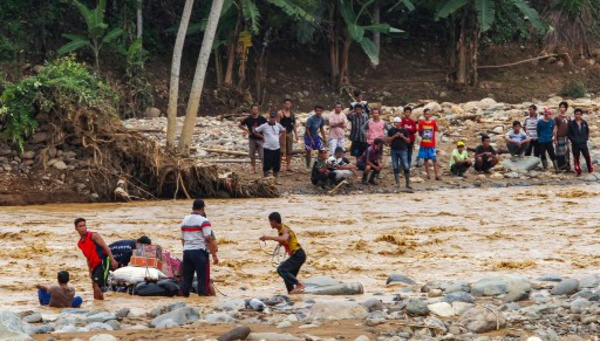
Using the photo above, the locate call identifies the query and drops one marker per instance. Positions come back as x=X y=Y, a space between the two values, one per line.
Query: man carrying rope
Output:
x=288 y=270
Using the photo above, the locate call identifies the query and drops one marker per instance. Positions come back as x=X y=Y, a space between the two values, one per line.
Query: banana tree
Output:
x=96 y=32
x=473 y=17
x=353 y=27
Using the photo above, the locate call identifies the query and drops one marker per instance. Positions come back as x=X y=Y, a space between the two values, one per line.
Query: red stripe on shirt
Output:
x=191 y=229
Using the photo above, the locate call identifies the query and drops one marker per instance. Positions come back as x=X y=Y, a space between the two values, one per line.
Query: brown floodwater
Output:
x=454 y=234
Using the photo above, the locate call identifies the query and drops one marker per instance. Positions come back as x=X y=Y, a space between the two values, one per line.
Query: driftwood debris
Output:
x=561 y=55
x=237 y=333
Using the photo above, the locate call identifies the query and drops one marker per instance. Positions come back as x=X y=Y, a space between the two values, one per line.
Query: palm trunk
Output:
x=344 y=76
x=175 y=69
x=140 y=20
x=196 y=93
x=218 y=66
x=461 y=45
x=231 y=53
x=474 y=46
x=333 y=47
x=376 y=21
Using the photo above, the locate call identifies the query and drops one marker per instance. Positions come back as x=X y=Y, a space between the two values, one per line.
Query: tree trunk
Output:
x=140 y=20
x=196 y=93
x=175 y=69
x=218 y=66
x=344 y=76
x=376 y=21
x=231 y=53
x=461 y=46
x=333 y=46
x=474 y=46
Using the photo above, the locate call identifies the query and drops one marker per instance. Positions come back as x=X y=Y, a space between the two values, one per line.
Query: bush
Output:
x=574 y=89
x=62 y=85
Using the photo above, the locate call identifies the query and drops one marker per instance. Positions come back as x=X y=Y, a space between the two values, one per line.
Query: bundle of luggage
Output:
x=151 y=272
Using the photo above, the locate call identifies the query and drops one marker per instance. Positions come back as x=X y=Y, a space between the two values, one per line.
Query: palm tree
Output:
x=175 y=69
x=198 y=83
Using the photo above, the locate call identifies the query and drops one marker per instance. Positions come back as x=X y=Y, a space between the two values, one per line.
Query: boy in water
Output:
x=288 y=270
x=61 y=296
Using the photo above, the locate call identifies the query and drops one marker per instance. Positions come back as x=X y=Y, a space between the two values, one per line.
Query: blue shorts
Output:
x=317 y=145
x=427 y=153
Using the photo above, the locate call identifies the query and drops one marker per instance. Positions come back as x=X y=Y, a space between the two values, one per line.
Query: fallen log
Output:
x=237 y=333
x=483 y=67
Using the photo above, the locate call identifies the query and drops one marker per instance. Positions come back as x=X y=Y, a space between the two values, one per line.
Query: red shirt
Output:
x=92 y=251
x=427 y=131
x=410 y=126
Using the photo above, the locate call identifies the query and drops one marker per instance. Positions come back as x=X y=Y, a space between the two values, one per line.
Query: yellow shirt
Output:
x=292 y=244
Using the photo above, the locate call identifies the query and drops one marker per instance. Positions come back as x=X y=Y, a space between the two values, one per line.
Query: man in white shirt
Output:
x=517 y=140
x=197 y=240
x=341 y=166
x=271 y=133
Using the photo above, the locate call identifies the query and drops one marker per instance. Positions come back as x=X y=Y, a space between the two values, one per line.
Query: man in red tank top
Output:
x=98 y=255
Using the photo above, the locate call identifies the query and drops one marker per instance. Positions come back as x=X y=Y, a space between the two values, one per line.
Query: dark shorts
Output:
x=358 y=148
x=100 y=273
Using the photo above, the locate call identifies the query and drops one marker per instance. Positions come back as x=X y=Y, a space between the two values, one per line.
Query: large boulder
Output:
x=399 y=278
x=12 y=328
x=337 y=310
x=499 y=285
x=521 y=165
x=180 y=316
x=416 y=307
x=568 y=286
x=340 y=289
x=481 y=320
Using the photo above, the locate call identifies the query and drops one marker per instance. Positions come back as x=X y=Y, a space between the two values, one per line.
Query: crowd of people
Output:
x=540 y=135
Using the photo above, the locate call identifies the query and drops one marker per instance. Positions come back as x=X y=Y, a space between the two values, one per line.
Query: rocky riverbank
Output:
x=502 y=307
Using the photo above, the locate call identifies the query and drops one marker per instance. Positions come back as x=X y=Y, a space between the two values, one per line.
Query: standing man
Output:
x=530 y=125
x=411 y=126
x=358 y=100
x=485 y=155
x=369 y=162
x=98 y=255
x=545 y=129
x=579 y=134
x=289 y=269
x=287 y=119
x=358 y=137
x=427 y=151
x=255 y=142
x=122 y=250
x=312 y=140
x=197 y=240
x=561 y=127
x=398 y=138
x=517 y=140
x=375 y=128
x=337 y=128
x=271 y=132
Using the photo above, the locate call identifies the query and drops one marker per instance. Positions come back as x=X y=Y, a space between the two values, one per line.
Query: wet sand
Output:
x=452 y=234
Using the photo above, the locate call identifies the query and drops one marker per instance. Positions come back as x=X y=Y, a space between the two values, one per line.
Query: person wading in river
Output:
x=98 y=255
x=289 y=269
x=197 y=240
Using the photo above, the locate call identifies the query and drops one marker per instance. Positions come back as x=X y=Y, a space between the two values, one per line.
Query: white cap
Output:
x=397 y=119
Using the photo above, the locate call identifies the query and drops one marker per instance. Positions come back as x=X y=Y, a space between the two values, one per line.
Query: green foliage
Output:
x=62 y=85
x=574 y=89
x=94 y=19
x=138 y=90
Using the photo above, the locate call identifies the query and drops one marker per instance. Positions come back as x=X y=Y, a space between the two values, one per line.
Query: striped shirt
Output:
x=530 y=126
x=356 y=133
x=194 y=229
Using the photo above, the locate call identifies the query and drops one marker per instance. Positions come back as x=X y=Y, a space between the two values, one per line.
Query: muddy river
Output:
x=429 y=235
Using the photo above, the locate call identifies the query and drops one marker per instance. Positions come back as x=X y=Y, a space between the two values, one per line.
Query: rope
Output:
x=276 y=256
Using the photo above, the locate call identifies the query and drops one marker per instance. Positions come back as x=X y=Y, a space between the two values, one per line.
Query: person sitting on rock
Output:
x=517 y=140
x=61 y=295
x=459 y=160
x=320 y=174
x=123 y=249
x=288 y=270
x=485 y=155
x=369 y=162
x=340 y=166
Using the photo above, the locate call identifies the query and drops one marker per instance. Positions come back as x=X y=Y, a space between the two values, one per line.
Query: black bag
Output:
x=166 y=287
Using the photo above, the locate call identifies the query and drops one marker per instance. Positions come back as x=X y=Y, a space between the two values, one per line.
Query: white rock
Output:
x=103 y=337
x=441 y=309
x=284 y=324
x=337 y=310
x=60 y=165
